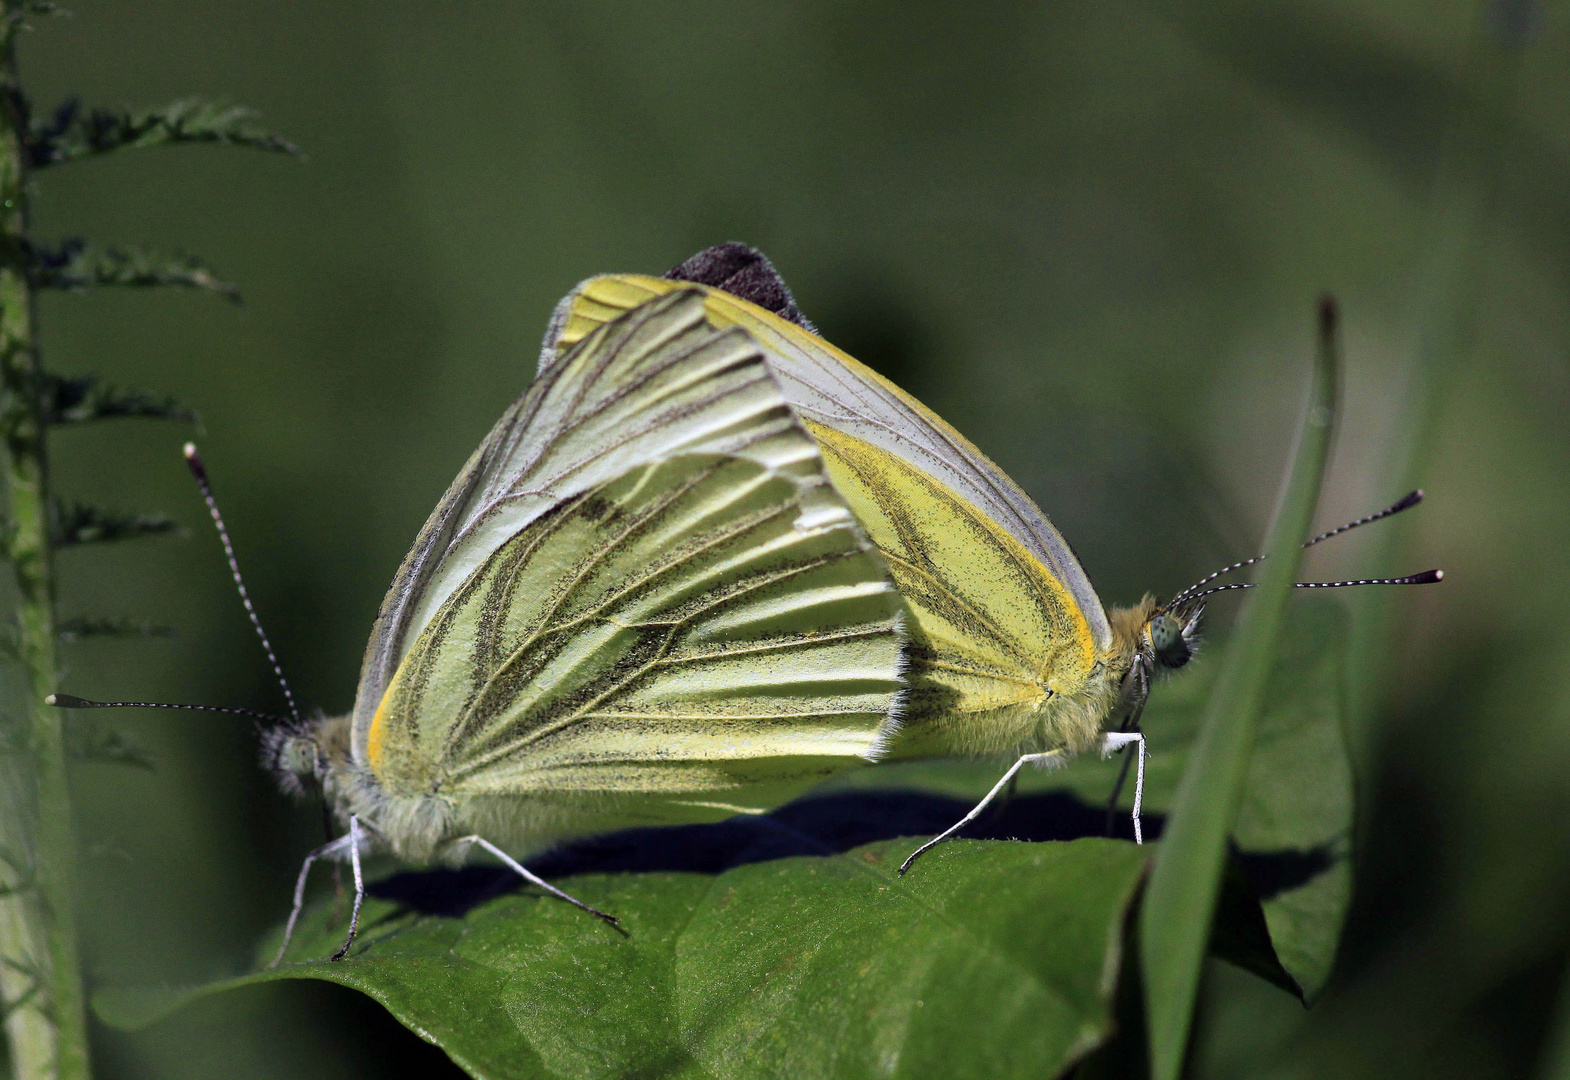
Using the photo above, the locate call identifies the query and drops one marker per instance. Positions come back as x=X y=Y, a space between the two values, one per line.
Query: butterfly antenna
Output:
x=1406 y=502
x=194 y=460
x=71 y=701
x=1427 y=577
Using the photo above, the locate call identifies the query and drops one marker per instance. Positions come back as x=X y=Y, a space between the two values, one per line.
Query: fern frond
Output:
x=72 y=399
x=83 y=523
x=75 y=265
x=81 y=628
x=74 y=132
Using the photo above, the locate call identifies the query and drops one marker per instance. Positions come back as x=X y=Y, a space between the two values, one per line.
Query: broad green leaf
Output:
x=1294 y=823
x=1293 y=828
x=997 y=960
x=815 y=966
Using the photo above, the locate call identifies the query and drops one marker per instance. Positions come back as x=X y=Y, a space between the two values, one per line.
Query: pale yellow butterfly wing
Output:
x=651 y=387
x=827 y=386
x=698 y=636
x=998 y=656
x=1009 y=643
x=701 y=634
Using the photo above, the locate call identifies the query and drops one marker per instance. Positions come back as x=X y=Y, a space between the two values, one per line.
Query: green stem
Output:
x=1180 y=901
x=47 y=1031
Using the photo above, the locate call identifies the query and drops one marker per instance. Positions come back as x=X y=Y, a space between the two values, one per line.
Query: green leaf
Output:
x=788 y=950
x=1186 y=877
x=1294 y=824
x=74 y=133
x=77 y=398
x=1240 y=935
x=76 y=266
x=997 y=960
x=1293 y=828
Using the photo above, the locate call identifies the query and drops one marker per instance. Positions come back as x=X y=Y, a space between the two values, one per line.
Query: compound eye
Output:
x=298 y=756
x=1166 y=638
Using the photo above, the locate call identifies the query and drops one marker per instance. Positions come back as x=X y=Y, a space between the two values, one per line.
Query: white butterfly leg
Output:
x=329 y=850
x=1117 y=740
x=533 y=879
x=1048 y=759
x=359 y=886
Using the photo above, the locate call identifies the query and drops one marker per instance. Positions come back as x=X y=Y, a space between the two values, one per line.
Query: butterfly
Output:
x=1009 y=648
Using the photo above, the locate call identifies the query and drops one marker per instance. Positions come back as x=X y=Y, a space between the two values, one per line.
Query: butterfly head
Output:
x=1146 y=638
x=300 y=755
x=1172 y=636
x=1149 y=637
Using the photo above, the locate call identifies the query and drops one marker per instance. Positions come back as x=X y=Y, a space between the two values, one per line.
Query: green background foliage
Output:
x=1088 y=235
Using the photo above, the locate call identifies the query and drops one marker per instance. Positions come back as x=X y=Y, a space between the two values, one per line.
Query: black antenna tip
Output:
x=1328 y=313
x=68 y=701
x=1428 y=577
x=1407 y=503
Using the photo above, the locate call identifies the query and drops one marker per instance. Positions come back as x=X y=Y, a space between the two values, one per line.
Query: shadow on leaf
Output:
x=824 y=825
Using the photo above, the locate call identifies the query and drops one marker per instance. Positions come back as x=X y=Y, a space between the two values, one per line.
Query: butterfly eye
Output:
x=1166 y=637
x=297 y=755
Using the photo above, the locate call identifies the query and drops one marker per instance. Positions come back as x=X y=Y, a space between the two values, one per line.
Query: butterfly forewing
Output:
x=654 y=384
x=700 y=628
x=825 y=385
x=666 y=632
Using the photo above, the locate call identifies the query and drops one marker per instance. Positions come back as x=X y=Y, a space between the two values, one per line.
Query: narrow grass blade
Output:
x=1181 y=897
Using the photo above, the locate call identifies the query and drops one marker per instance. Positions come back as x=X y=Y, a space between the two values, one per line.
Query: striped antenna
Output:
x=1406 y=502
x=197 y=470
x=71 y=701
x=1427 y=577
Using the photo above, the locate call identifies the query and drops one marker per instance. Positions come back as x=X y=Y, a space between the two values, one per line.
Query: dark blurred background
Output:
x=1090 y=235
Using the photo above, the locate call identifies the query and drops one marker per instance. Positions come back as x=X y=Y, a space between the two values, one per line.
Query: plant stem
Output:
x=1180 y=901
x=47 y=1030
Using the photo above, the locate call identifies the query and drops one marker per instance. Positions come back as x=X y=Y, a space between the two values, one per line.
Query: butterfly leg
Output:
x=533 y=879
x=1051 y=757
x=359 y=886
x=326 y=851
x=1117 y=793
x=1117 y=740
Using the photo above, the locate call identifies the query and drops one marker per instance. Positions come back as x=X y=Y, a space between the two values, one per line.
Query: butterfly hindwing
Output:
x=994 y=638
